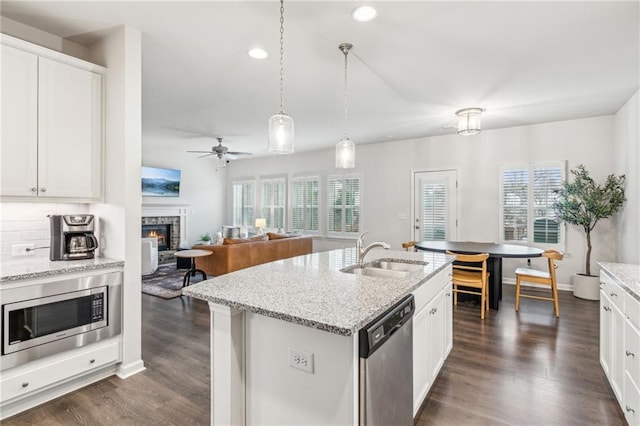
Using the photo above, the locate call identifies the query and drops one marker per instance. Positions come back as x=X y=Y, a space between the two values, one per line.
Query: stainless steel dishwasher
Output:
x=386 y=367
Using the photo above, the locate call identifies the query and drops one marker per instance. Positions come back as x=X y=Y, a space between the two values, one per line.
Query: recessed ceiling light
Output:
x=258 y=53
x=364 y=13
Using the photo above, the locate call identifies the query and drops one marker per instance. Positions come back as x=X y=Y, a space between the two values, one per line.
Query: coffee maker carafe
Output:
x=72 y=237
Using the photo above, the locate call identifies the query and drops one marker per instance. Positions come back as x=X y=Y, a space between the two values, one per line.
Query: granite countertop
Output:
x=626 y=275
x=16 y=270
x=310 y=290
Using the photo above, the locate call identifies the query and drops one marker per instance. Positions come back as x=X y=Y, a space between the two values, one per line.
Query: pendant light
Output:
x=469 y=121
x=345 y=149
x=281 y=124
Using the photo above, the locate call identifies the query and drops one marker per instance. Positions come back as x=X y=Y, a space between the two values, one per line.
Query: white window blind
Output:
x=434 y=211
x=272 y=201
x=305 y=207
x=243 y=203
x=527 y=194
x=343 y=201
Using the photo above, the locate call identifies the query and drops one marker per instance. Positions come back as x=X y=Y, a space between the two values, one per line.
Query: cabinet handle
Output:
x=630 y=409
x=448 y=294
x=25 y=384
x=43 y=189
x=613 y=294
x=91 y=361
x=630 y=354
x=601 y=285
x=34 y=189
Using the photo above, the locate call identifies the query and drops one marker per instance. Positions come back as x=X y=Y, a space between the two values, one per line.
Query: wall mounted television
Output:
x=158 y=182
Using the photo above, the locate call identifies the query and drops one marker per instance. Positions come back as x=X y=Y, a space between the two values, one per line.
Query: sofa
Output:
x=235 y=254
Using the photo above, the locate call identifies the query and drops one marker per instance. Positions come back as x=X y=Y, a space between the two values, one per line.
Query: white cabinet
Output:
x=432 y=333
x=52 y=128
x=612 y=334
x=631 y=391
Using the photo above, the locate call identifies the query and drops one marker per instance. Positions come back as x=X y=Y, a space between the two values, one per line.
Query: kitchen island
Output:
x=268 y=320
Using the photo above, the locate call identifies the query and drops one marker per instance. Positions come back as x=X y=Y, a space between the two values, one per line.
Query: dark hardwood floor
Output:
x=510 y=369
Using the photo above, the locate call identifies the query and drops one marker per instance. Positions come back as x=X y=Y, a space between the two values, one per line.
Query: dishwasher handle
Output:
x=378 y=331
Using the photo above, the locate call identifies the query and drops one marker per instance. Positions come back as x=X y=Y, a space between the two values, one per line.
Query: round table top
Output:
x=470 y=247
x=192 y=253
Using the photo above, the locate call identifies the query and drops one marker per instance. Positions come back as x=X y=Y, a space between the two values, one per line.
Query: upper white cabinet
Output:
x=52 y=125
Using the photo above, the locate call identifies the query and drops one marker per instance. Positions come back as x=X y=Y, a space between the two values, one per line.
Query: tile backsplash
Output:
x=24 y=223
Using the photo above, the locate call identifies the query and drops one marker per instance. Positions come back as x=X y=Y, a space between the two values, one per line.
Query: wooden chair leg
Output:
x=556 y=305
x=455 y=295
x=482 y=303
x=486 y=298
x=517 y=292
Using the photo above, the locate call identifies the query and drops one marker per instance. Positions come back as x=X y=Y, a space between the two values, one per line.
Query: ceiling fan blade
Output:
x=206 y=155
x=239 y=153
x=202 y=152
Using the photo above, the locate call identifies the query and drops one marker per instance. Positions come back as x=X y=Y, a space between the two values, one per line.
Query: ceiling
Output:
x=409 y=70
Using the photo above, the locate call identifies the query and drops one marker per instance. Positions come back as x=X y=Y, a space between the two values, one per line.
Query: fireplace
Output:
x=160 y=231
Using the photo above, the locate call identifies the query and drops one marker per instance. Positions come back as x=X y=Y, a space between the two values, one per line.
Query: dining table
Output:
x=494 y=263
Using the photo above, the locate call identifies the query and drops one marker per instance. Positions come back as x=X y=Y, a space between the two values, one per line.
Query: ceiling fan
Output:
x=220 y=151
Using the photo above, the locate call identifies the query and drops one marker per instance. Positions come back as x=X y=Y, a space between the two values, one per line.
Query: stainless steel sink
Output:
x=385 y=268
x=376 y=272
x=398 y=266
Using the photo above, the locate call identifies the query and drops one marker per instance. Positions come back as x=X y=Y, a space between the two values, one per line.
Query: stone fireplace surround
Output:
x=173 y=215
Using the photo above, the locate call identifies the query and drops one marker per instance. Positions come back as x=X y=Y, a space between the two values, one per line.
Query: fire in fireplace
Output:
x=161 y=232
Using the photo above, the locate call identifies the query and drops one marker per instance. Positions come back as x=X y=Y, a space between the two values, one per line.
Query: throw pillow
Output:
x=274 y=236
x=230 y=241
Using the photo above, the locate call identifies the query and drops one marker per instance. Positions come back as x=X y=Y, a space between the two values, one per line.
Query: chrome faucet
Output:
x=361 y=253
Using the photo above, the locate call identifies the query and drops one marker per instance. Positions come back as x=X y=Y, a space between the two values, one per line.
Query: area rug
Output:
x=166 y=282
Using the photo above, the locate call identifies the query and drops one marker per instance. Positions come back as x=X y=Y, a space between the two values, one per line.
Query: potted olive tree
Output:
x=583 y=202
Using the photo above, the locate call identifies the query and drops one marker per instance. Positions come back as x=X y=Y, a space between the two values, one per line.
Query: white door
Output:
x=434 y=201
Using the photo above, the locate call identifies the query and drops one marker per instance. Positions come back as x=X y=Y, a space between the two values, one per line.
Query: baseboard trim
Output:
x=126 y=371
x=561 y=286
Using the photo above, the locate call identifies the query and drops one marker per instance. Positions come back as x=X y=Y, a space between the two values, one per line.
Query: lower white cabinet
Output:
x=620 y=345
x=432 y=334
x=39 y=376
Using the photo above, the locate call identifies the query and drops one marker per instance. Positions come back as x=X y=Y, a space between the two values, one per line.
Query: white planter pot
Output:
x=586 y=287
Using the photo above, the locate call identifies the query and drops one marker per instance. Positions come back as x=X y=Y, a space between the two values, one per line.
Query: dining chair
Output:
x=471 y=272
x=540 y=277
x=409 y=244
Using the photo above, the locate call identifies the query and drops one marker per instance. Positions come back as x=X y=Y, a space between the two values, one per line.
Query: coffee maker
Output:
x=72 y=237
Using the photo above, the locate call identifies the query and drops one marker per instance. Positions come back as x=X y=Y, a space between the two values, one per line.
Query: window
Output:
x=243 y=203
x=305 y=204
x=272 y=201
x=527 y=196
x=343 y=201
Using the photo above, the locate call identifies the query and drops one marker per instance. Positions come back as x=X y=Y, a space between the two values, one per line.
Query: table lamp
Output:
x=260 y=223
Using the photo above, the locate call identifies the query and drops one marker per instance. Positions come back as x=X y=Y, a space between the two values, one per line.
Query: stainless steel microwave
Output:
x=47 y=318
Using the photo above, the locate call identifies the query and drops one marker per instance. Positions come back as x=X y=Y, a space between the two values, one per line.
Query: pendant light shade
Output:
x=345 y=154
x=281 y=133
x=281 y=124
x=469 y=121
x=345 y=149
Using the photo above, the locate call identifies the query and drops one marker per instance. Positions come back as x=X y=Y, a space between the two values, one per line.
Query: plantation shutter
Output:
x=297 y=204
x=305 y=204
x=312 y=207
x=434 y=211
x=272 y=201
x=334 y=217
x=545 y=226
x=343 y=204
x=243 y=203
x=515 y=183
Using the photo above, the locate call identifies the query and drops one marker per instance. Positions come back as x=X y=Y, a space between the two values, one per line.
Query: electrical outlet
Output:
x=301 y=360
x=23 y=250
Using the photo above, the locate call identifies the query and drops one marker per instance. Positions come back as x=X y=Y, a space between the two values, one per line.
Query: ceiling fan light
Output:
x=469 y=121
x=345 y=154
x=258 y=53
x=281 y=131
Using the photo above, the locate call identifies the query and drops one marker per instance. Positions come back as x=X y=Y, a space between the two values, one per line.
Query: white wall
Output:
x=121 y=52
x=202 y=188
x=627 y=162
x=386 y=169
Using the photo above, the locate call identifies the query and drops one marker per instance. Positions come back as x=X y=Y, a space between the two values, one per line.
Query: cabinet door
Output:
x=436 y=335
x=605 y=332
x=420 y=357
x=19 y=125
x=70 y=131
x=448 y=319
x=616 y=367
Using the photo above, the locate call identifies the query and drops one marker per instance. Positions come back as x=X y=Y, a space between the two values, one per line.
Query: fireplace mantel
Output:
x=181 y=210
